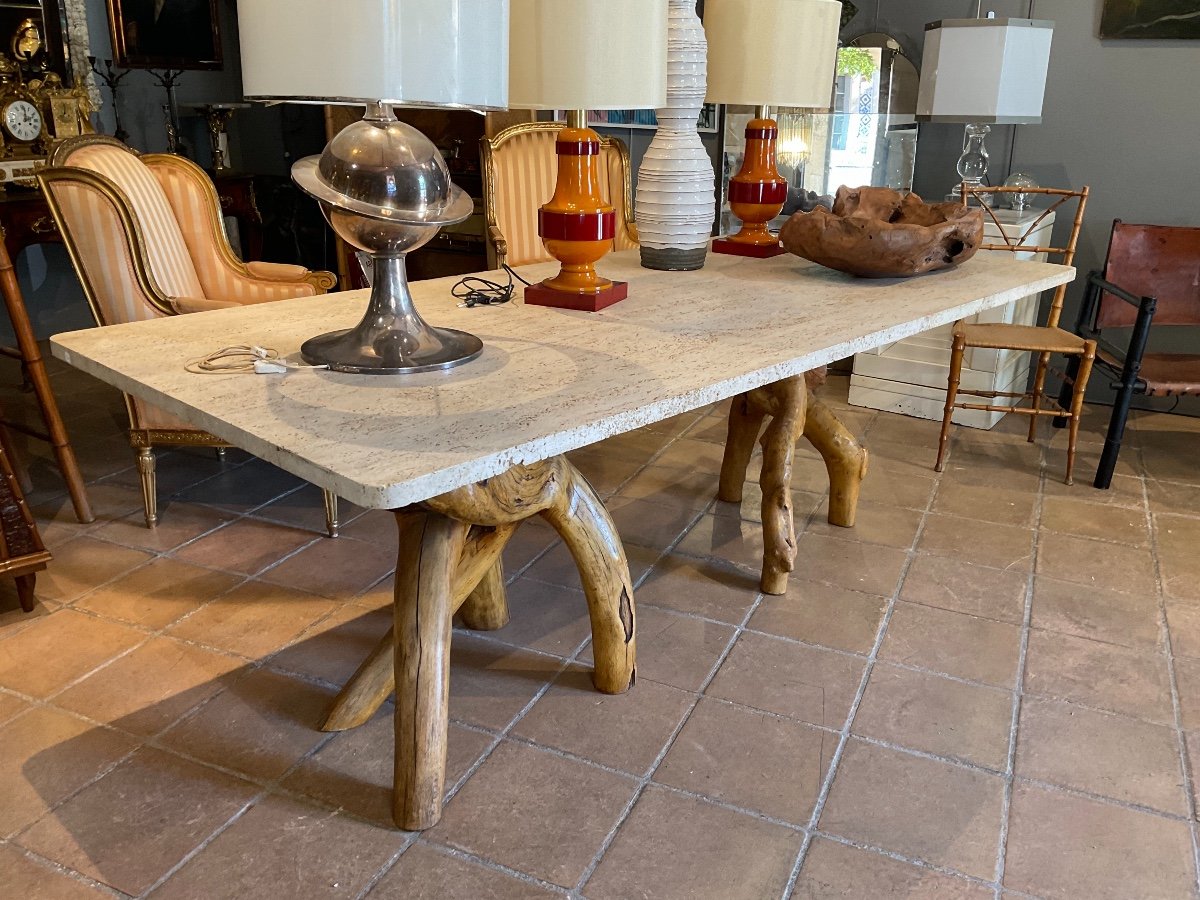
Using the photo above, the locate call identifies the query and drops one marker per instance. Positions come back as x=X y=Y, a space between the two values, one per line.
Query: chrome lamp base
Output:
x=392 y=338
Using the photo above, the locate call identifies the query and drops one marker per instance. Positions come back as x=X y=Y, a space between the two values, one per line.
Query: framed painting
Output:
x=165 y=34
x=643 y=119
x=1162 y=19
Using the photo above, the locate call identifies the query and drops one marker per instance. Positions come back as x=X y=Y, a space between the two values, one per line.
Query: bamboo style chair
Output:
x=1044 y=340
x=146 y=237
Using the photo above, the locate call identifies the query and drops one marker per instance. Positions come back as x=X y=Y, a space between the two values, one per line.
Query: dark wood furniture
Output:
x=22 y=553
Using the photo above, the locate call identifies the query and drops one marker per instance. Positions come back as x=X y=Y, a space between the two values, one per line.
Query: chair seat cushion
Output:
x=1037 y=339
x=1166 y=374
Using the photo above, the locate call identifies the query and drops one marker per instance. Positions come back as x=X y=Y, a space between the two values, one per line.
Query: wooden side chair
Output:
x=1043 y=340
x=146 y=238
x=1151 y=276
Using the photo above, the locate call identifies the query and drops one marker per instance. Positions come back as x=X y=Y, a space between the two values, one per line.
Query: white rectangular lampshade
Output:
x=984 y=70
x=588 y=54
x=772 y=52
x=406 y=52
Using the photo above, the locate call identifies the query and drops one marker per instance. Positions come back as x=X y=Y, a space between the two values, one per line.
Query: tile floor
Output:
x=989 y=688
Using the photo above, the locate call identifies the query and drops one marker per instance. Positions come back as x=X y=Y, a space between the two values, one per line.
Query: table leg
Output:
x=786 y=403
x=845 y=459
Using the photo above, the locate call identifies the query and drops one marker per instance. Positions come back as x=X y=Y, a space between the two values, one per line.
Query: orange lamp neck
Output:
x=761 y=141
x=578 y=185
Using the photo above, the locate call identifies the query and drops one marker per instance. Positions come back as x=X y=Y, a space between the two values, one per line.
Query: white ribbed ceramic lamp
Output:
x=676 y=199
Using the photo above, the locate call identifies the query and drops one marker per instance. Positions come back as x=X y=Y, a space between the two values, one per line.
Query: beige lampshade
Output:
x=772 y=52
x=587 y=54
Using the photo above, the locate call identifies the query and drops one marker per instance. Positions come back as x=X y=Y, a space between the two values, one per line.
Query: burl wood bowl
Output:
x=882 y=233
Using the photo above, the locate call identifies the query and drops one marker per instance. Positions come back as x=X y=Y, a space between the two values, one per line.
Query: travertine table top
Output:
x=548 y=381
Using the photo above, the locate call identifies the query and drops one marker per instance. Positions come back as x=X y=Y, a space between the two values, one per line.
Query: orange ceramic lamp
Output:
x=579 y=55
x=777 y=52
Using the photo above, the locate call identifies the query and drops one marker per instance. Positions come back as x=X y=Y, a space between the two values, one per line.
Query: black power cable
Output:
x=474 y=291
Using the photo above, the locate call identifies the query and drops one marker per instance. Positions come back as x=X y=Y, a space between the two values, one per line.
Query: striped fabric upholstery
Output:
x=167 y=255
x=525 y=169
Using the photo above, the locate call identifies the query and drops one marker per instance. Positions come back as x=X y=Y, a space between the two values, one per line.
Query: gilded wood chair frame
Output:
x=1043 y=340
x=143 y=440
x=497 y=242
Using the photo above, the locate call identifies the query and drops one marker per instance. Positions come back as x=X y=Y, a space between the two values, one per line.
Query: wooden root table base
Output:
x=793 y=410
x=449 y=562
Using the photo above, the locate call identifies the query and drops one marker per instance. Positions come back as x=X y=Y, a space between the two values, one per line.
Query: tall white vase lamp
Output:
x=382 y=185
x=765 y=53
x=676 y=200
x=579 y=55
x=983 y=72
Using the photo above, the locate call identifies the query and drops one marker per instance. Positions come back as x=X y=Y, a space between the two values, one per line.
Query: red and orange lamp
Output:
x=765 y=53
x=579 y=55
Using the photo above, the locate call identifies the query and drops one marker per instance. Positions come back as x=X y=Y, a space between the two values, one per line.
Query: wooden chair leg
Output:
x=845 y=460
x=1081 y=380
x=789 y=401
x=146 y=466
x=956 y=361
x=331 y=514
x=1039 y=389
x=1066 y=394
x=486 y=607
x=745 y=422
x=430 y=546
x=25 y=586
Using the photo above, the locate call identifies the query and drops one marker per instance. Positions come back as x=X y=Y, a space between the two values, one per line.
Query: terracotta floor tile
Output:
x=989 y=503
x=1067 y=515
x=26 y=877
x=902 y=459
x=695 y=455
x=1187 y=677
x=924 y=809
x=334 y=567
x=565 y=808
x=912 y=492
x=10 y=706
x=1168 y=456
x=668 y=486
x=130 y=827
x=333 y=648
x=490 y=683
x=675 y=649
x=1101 y=753
x=1183 y=620
x=557 y=566
x=243 y=488
x=700 y=587
x=83 y=564
x=178 y=523
x=259 y=726
x=45 y=755
x=875 y=523
x=677 y=846
x=822 y=614
x=1103 y=676
x=246 y=546
x=149 y=688
x=1173 y=497
x=622 y=731
x=545 y=617
x=646 y=524
x=728 y=541
x=984 y=543
x=1098 y=563
x=254 y=619
x=804 y=503
x=848 y=564
x=805 y=683
x=531 y=539
x=833 y=870
x=285 y=848
x=52 y=651
x=1125 y=490
x=1092 y=612
x=158 y=593
x=305 y=508
x=936 y=715
x=742 y=757
x=960 y=586
x=953 y=643
x=1064 y=846
x=355 y=771
x=56 y=518
x=425 y=872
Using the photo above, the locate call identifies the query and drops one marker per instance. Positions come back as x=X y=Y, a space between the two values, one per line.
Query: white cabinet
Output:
x=910 y=376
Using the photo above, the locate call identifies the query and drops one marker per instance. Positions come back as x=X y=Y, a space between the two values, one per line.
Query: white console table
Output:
x=909 y=376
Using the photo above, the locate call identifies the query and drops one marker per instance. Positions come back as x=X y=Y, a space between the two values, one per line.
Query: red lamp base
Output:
x=738 y=248
x=538 y=295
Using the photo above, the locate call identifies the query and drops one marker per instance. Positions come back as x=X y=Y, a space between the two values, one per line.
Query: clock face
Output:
x=23 y=120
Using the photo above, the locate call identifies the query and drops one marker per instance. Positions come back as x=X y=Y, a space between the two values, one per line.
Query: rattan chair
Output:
x=1043 y=340
x=147 y=239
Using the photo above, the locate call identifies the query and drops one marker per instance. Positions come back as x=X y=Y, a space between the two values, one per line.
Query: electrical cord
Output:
x=244 y=359
x=474 y=291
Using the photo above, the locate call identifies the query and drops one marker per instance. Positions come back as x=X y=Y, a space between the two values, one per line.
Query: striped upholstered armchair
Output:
x=146 y=237
x=519 y=171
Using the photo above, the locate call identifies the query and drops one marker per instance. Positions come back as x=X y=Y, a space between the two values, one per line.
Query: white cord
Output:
x=243 y=359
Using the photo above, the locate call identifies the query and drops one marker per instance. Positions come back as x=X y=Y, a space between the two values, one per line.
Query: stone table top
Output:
x=548 y=380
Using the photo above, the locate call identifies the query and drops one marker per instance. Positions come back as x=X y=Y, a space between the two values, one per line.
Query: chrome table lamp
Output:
x=382 y=185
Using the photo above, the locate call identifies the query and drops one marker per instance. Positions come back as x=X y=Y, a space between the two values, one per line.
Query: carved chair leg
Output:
x=1081 y=380
x=25 y=586
x=430 y=546
x=486 y=607
x=845 y=459
x=331 y=514
x=579 y=516
x=145 y=463
x=745 y=421
x=789 y=400
x=956 y=362
x=1039 y=388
